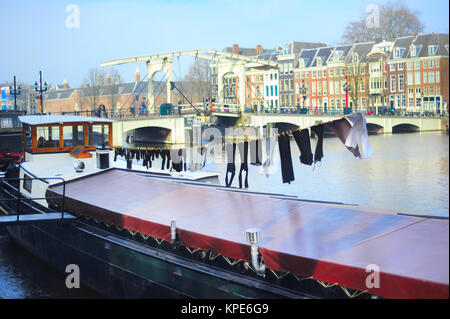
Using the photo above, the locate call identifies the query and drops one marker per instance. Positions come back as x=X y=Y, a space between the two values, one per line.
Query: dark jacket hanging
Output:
x=287 y=172
x=304 y=145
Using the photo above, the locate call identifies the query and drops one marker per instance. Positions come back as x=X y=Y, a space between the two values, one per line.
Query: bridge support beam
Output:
x=165 y=65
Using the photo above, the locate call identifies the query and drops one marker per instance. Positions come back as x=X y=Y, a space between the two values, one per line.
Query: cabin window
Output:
x=47 y=137
x=73 y=135
x=98 y=135
x=28 y=140
x=27 y=183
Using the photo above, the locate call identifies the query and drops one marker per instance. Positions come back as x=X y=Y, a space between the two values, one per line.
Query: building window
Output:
x=392 y=67
x=437 y=63
x=437 y=77
x=417 y=78
x=393 y=83
x=417 y=65
x=271 y=90
x=431 y=63
x=401 y=66
x=430 y=77
x=331 y=73
x=401 y=82
x=276 y=90
x=410 y=65
x=424 y=77
x=410 y=78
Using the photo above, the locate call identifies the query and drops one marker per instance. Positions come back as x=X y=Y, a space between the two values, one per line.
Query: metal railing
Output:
x=23 y=197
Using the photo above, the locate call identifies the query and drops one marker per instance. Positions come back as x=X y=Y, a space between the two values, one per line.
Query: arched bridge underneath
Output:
x=388 y=124
x=167 y=129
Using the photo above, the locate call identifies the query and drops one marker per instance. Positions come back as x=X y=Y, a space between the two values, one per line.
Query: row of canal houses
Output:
x=409 y=75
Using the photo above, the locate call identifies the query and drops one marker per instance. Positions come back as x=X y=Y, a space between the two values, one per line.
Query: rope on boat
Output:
x=212 y=256
x=145 y=237
x=354 y=295
x=231 y=263
x=279 y=276
x=193 y=251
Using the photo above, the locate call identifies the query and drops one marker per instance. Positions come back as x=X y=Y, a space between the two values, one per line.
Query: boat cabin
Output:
x=71 y=134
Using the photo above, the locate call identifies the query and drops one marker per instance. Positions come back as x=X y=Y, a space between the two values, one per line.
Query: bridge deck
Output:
x=331 y=243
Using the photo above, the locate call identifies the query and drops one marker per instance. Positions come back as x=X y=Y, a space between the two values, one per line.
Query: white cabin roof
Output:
x=56 y=119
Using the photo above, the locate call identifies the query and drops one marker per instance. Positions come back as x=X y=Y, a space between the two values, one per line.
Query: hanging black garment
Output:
x=163 y=158
x=243 y=152
x=255 y=152
x=231 y=166
x=287 y=171
x=168 y=159
x=318 y=153
x=342 y=128
x=116 y=152
x=304 y=144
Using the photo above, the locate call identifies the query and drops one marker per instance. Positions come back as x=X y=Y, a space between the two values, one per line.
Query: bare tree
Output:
x=355 y=74
x=199 y=79
x=395 y=20
x=92 y=88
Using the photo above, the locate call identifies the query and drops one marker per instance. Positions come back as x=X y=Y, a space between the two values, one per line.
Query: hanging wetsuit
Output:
x=318 y=153
x=304 y=145
x=255 y=152
x=243 y=152
x=342 y=128
x=287 y=171
x=231 y=166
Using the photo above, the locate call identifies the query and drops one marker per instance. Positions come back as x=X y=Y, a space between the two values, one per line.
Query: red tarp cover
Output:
x=331 y=243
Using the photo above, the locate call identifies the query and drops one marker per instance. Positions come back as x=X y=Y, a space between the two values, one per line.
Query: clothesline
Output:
x=351 y=130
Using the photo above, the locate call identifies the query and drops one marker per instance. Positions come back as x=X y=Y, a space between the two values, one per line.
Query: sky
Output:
x=46 y=35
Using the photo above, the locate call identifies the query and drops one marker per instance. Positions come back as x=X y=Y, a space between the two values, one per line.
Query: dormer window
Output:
x=302 y=63
x=355 y=57
x=319 y=61
x=432 y=50
x=337 y=55
x=398 y=52
x=413 y=51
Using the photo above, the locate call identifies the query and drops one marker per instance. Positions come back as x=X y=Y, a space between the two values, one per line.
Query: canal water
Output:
x=408 y=173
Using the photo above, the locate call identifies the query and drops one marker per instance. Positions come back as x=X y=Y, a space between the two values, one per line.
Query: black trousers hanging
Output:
x=304 y=144
x=255 y=152
x=287 y=172
x=231 y=165
x=243 y=152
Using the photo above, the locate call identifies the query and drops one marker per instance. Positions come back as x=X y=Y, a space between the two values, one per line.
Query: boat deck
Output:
x=331 y=243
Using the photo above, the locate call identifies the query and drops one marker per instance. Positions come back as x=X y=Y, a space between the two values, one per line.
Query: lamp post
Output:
x=16 y=91
x=303 y=92
x=40 y=90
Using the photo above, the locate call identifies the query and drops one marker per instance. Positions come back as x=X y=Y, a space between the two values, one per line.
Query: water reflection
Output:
x=407 y=173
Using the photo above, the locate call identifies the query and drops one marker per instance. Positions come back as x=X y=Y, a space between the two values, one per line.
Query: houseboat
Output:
x=139 y=234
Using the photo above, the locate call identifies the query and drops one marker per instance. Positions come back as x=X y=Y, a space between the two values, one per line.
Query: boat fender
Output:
x=253 y=235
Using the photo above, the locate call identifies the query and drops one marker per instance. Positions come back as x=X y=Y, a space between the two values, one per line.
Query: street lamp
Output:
x=16 y=91
x=40 y=90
